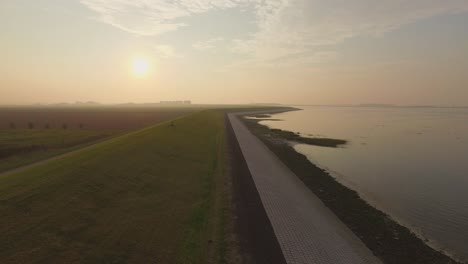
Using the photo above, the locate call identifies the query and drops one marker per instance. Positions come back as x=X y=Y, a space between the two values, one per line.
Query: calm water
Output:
x=410 y=162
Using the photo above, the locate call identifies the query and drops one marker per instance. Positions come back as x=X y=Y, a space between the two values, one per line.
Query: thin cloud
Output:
x=283 y=27
x=148 y=18
x=291 y=27
x=166 y=51
x=207 y=44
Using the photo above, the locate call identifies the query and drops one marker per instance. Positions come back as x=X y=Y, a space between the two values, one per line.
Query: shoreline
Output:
x=374 y=202
x=385 y=237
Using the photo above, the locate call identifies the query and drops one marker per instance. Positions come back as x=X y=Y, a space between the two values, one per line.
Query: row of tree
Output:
x=31 y=125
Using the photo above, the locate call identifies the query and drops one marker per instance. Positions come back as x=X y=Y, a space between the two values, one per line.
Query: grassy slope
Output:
x=23 y=147
x=146 y=197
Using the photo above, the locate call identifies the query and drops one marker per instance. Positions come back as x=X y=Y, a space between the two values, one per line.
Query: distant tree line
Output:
x=30 y=125
x=178 y=102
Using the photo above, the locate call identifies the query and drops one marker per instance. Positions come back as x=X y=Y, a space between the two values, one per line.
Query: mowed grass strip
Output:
x=29 y=135
x=22 y=147
x=142 y=198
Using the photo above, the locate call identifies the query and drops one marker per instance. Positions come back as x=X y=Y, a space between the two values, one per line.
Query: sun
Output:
x=140 y=66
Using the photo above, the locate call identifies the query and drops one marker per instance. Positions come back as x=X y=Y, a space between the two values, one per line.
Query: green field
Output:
x=29 y=135
x=152 y=196
x=23 y=147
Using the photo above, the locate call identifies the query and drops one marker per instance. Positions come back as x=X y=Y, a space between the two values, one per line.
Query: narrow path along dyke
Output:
x=307 y=231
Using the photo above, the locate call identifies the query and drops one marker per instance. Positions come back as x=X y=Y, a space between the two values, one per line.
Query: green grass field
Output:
x=152 y=196
x=23 y=147
x=29 y=135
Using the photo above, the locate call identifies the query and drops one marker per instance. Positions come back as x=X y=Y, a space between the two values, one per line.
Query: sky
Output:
x=235 y=51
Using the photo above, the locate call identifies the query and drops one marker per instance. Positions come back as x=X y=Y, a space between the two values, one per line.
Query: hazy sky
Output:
x=235 y=51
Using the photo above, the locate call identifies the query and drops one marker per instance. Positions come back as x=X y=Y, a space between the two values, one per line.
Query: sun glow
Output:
x=140 y=66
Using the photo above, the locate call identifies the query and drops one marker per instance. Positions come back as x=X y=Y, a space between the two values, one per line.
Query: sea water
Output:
x=411 y=163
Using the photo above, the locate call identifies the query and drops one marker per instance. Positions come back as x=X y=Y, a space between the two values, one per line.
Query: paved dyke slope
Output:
x=307 y=231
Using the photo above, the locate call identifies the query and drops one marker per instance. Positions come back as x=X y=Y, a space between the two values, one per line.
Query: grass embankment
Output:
x=391 y=242
x=147 y=197
x=29 y=135
x=23 y=147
